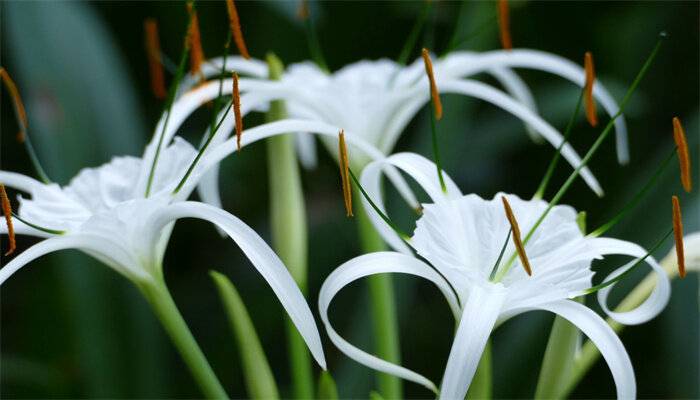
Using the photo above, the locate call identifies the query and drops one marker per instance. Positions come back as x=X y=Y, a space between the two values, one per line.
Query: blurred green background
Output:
x=73 y=328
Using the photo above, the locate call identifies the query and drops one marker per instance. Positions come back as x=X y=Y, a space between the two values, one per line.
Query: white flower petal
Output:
x=657 y=300
x=23 y=229
x=372 y=264
x=263 y=259
x=20 y=181
x=462 y=64
x=600 y=333
x=517 y=88
x=306 y=150
x=479 y=315
x=87 y=243
x=422 y=170
x=496 y=97
x=212 y=67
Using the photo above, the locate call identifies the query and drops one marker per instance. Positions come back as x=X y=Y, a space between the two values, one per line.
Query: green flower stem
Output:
x=482 y=387
x=589 y=353
x=384 y=318
x=165 y=309
x=289 y=231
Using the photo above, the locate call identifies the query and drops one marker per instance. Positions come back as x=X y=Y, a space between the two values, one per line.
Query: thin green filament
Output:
x=436 y=147
x=631 y=268
x=315 y=45
x=415 y=32
x=557 y=155
x=214 y=126
x=494 y=269
x=171 y=99
x=403 y=235
x=37 y=227
x=601 y=138
x=636 y=199
x=35 y=159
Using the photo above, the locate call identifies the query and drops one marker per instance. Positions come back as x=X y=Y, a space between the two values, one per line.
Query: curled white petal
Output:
x=372 y=264
x=462 y=64
x=517 y=88
x=422 y=170
x=657 y=300
x=20 y=181
x=479 y=315
x=117 y=258
x=263 y=259
x=487 y=93
x=604 y=338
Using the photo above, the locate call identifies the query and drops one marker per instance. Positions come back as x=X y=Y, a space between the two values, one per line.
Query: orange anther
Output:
x=7 y=211
x=683 y=154
x=435 y=95
x=504 y=24
x=591 y=115
x=517 y=241
x=236 y=29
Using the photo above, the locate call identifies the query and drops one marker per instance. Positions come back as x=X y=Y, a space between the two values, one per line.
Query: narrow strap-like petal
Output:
x=23 y=229
x=19 y=181
x=212 y=67
x=372 y=264
x=422 y=170
x=463 y=64
x=496 y=97
x=657 y=300
x=263 y=259
x=480 y=313
x=516 y=87
x=602 y=335
x=116 y=257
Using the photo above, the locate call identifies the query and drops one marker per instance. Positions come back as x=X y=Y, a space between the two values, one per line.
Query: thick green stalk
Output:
x=165 y=309
x=384 y=318
x=327 y=390
x=289 y=231
x=482 y=387
x=589 y=353
x=260 y=382
x=557 y=363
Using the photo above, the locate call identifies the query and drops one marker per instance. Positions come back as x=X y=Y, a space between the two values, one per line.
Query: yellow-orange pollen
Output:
x=517 y=241
x=17 y=102
x=434 y=94
x=678 y=235
x=591 y=114
x=504 y=24
x=237 y=111
x=195 y=42
x=345 y=173
x=683 y=154
x=155 y=67
x=236 y=29
x=7 y=211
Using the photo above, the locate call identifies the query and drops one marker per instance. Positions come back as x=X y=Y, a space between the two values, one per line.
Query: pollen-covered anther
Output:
x=678 y=235
x=683 y=154
x=591 y=114
x=345 y=173
x=7 y=212
x=434 y=94
x=155 y=67
x=195 y=43
x=17 y=103
x=237 y=111
x=517 y=241
x=236 y=29
x=504 y=24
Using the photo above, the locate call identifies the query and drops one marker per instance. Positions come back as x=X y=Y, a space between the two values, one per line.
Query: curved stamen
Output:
x=7 y=211
x=517 y=241
x=155 y=67
x=683 y=154
x=237 y=111
x=195 y=39
x=504 y=24
x=590 y=81
x=235 y=23
x=344 y=168
x=678 y=236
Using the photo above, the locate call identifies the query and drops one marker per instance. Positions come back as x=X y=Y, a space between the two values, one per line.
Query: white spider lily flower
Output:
x=462 y=240
x=377 y=99
x=104 y=213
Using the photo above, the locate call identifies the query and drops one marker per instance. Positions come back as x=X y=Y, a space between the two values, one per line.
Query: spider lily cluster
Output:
x=491 y=259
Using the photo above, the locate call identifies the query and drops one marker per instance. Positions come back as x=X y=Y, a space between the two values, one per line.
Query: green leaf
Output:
x=259 y=379
x=327 y=389
x=375 y=396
